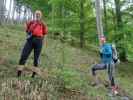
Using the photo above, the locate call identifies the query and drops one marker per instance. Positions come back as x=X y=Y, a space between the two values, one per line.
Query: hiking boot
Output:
x=33 y=74
x=106 y=84
x=19 y=70
x=115 y=90
x=95 y=81
x=19 y=73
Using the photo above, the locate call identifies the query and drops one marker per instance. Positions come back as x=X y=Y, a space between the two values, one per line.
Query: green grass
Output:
x=68 y=68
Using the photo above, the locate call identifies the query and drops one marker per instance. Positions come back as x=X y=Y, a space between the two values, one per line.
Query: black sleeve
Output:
x=101 y=54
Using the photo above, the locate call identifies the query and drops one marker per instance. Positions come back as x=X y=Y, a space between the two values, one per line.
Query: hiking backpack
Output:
x=107 y=53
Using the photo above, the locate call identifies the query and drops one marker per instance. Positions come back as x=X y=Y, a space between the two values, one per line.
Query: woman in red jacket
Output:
x=36 y=31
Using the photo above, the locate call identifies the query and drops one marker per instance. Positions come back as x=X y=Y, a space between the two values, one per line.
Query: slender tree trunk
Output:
x=99 y=19
x=30 y=14
x=9 y=11
x=25 y=11
x=60 y=14
x=14 y=10
x=29 y=11
x=118 y=14
x=123 y=53
x=63 y=19
x=114 y=18
x=53 y=18
x=81 y=23
x=19 y=13
x=5 y=1
x=2 y=11
x=105 y=17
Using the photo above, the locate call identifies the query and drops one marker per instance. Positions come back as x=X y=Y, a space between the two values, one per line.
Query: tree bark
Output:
x=123 y=53
x=105 y=17
x=9 y=11
x=81 y=23
x=13 y=12
x=2 y=11
x=24 y=15
x=118 y=14
x=99 y=20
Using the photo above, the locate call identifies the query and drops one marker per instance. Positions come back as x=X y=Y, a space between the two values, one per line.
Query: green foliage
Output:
x=123 y=40
x=63 y=16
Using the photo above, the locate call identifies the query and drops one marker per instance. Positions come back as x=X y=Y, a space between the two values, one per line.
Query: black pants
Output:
x=32 y=43
x=109 y=67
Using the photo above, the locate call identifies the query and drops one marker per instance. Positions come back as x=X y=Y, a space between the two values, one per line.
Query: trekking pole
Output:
x=46 y=42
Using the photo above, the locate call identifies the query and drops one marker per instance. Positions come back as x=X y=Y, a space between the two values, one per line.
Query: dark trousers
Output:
x=32 y=43
x=102 y=66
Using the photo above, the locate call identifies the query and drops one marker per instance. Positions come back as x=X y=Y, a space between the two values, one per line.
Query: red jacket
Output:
x=37 y=28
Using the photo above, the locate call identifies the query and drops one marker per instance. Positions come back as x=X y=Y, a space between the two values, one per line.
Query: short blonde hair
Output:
x=38 y=12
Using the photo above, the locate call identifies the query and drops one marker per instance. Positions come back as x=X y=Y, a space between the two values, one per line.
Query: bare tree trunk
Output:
x=9 y=11
x=123 y=53
x=81 y=24
x=25 y=11
x=29 y=11
x=14 y=10
x=53 y=18
x=105 y=17
x=5 y=1
x=99 y=19
x=27 y=14
x=18 y=16
x=2 y=11
x=118 y=14
x=114 y=18
x=18 y=10
x=31 y=15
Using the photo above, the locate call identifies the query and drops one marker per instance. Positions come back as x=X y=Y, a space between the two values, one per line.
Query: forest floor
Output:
x=68 y=72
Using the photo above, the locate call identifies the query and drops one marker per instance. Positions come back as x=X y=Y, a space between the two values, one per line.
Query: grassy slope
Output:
x=67 y=66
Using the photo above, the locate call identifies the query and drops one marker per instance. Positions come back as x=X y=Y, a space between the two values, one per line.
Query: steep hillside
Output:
x=68 y=70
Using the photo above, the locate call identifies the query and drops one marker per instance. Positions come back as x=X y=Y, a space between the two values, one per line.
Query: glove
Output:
x=116 y=61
